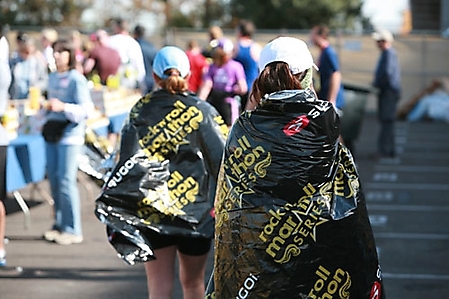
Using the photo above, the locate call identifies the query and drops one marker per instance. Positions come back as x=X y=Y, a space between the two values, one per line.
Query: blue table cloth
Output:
x=26 y=161
x=116 y=122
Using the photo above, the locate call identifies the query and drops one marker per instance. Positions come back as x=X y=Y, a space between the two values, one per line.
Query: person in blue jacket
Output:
x=387 y=79
x=247 y=52
x=149 y=52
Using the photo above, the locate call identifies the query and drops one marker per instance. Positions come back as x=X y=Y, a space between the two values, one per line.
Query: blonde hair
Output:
x=215 y=32
x=174 y=83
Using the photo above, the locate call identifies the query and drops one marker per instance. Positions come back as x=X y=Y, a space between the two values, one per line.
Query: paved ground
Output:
x=407 y=201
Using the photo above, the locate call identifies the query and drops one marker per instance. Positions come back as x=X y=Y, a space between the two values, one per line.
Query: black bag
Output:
x=54 y=129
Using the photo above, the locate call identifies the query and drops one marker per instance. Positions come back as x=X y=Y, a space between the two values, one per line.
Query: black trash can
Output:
x=353 y=112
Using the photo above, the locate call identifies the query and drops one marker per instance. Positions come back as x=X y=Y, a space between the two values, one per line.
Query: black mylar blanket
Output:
x=291 y=220
x=165 y=177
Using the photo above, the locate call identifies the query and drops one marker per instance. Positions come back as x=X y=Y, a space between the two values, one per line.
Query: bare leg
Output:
x=160 y=273
x=191 y=275
x=112 y=138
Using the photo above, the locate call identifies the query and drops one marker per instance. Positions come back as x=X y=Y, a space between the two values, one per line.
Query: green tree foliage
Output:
x=43 y=12
x=297 y=14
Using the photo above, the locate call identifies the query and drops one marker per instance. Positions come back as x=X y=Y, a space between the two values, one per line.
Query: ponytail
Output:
x=174 y=83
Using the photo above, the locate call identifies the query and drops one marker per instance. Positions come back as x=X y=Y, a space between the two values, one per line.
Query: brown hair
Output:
x=66 y=45
x=276 y=76
x=174 y=83
x=246 y=28
x=321 y=30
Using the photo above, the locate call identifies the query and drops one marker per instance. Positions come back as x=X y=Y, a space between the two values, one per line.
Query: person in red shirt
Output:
x=102 y=59
x=198 y=65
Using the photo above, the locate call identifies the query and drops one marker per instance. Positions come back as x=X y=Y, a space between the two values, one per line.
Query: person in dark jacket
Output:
x=148 y=52
x=158 y=201
x=387 y=79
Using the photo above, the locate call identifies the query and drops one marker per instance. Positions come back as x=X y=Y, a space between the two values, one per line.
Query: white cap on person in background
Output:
x=383 y=35
x=171 y=57
x=223 y=43
x=290 y=50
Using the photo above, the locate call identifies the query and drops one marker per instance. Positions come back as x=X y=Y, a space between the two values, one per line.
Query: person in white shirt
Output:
x=133 y=67
x=5 y=74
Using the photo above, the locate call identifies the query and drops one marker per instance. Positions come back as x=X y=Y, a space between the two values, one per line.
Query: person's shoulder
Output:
x=255 y=46
x=110 y=51
x=146 y=42
x=15 y=58
x=193 y=100
x=330 y=50
x=235 y=64
x=96 y=50
x=77 y=76
x=147 y=47
x=392 y=50
x=123 y=40
x=114 y=38
x=52 y=76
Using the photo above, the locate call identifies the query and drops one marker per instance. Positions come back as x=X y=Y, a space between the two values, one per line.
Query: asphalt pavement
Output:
x=406 y=199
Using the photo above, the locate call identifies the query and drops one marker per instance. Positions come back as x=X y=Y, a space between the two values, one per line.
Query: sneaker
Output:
x=51 y=235
x=2 y=259
x=68 y=239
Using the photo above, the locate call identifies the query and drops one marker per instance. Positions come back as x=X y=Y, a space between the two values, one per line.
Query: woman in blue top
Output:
x=68 y=104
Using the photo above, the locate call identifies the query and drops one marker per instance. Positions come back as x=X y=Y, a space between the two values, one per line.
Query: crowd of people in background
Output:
x=127 y=55
x=222 y=71
x=103 y=53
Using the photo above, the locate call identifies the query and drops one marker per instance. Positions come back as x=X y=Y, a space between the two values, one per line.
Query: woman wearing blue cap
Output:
x=158 y=201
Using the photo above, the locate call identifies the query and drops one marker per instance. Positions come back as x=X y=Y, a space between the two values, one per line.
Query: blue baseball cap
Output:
x=171 y=57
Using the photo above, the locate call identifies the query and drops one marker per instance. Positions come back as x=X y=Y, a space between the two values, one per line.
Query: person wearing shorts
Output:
x=177 y=141
x=185 y=245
